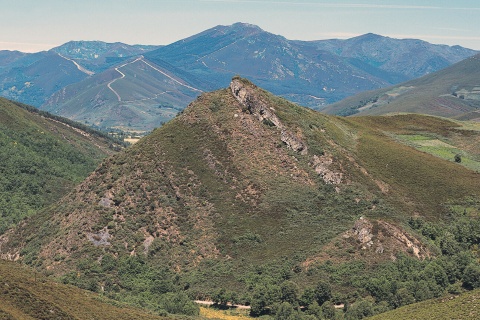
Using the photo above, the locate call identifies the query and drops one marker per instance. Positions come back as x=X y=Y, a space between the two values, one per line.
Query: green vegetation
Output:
x=449 y=146
x=27 y=294
x=464 y=306
x=41 y=158
x=215 y=205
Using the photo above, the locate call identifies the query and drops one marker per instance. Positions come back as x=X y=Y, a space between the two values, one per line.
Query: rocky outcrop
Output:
x=381 y=236
x=253 y=104
x=100 y=238
x=256 y=106
x=322 y=166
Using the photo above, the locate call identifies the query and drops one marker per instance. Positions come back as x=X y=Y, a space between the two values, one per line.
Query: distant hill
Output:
x=98 y=56
x=249 y=198
x=452 y=92
x=26 y=294
x=394 y=56
x=138 y=95
x=33 y=78
x=9 y=57
x=42 y=157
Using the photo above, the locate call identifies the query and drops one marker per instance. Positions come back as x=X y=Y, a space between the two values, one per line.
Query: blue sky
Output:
x=35 y=25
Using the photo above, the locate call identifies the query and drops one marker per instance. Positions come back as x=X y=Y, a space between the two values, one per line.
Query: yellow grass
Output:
x=231 y=314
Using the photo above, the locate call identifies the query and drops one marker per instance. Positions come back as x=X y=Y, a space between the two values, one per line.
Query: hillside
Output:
x=246 y=197
x=97 y=56
x=41 y=159
x=28 y=295
x=32 y=78
x=136 y=95
x=460 y=307
x=453 y=92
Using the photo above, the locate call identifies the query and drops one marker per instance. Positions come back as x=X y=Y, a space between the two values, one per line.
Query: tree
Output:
x=458 y=158
x=259 y=301
x=308 y=297
x=433 y=271
x=221 y=297
x=323 y=292
x=359 y=310
x=403 y=297
x=289 y=292
x=328 y=311
x=179 y=303
x=285 y=311
x=471 y=276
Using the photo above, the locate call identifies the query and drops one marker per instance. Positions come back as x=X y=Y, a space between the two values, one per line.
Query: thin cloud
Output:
x=453 y=29
x=433 y=36
x=346 y=5
x=25 y=46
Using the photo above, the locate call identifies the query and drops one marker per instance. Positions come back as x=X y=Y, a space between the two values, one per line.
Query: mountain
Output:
x=97 y=56
x=28 y=295
x=8 y=57
x=33 y=78
x=42 y=157
x=249 y=198
x=452 y=92
x=312 y=73
x=138 y=95
x=394 y=56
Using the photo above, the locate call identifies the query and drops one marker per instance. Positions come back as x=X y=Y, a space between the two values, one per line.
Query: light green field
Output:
x=442 y=148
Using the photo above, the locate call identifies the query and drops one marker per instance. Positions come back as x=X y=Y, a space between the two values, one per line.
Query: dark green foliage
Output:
x=289 y=292
x=178 y=303
x=328 y=311
x=471 y=276
x=40 y=160
x=285 y=311
x=458 y=158
x=359 y=310
x=323 y=292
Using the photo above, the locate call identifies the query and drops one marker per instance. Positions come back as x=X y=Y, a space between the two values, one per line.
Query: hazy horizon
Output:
x=31 y=26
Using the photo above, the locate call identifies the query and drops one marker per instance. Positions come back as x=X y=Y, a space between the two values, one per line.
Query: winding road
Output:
x=141 y=58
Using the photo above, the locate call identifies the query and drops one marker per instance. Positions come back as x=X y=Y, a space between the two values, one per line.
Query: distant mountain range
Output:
x=139 y=87
x=453 y=92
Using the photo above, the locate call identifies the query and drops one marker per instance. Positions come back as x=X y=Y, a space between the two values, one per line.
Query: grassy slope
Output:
x=41 y=159
x=463 y=307
x=219 y=198
x=148 y=98
x=431 y=94
x=27 y=295
x=426 y=180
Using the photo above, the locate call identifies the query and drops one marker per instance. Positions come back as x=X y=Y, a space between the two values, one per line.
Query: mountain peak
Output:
x=369 y=36
x=245 y=29
x=243 y=25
